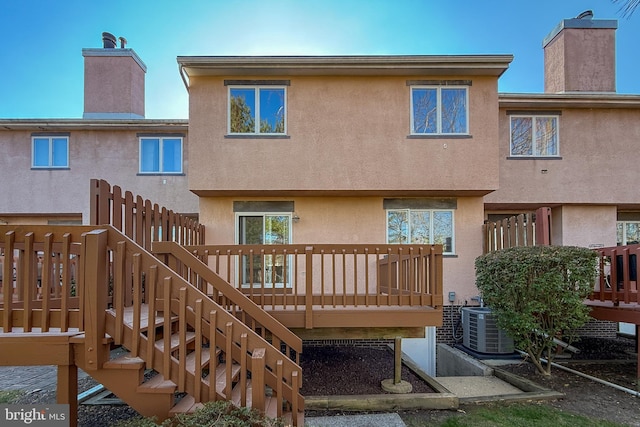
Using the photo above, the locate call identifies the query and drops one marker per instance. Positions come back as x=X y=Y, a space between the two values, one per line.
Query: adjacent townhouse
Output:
x=47 y=164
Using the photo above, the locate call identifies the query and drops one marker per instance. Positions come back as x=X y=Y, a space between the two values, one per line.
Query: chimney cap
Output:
x=123 y=42
x=108 y=40
x=587 y=14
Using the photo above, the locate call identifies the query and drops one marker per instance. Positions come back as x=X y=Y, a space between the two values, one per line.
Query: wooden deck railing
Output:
x=521 y=230
x=114 y=274
x=312 y=277
x=139 y=219
x=193 y=269
x=618 y=277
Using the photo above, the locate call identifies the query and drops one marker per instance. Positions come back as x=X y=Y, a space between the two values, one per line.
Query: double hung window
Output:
x=534 y=136
x=161 y=155
x=257 y=110
x=439 y=110
x=429 y=226
x=50 y=152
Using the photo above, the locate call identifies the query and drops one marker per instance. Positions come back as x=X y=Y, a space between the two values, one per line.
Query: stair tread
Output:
x=191 y=359
x=186 y=405
x=158 y=384
x=144 y=317
x=175 y=341
x=221 y=376
x=125 y=361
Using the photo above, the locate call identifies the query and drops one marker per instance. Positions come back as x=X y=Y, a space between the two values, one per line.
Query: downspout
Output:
x=183 y=76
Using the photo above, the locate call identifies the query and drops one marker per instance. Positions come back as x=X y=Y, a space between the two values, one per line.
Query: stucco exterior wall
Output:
x=581 y=60
x=110 y=155
x=345 y=134
x=587 y=226
x=595 y=146
x=358 y=220
x=113 y=85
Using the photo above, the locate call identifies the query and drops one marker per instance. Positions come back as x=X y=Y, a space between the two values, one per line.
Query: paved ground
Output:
x=30 y=378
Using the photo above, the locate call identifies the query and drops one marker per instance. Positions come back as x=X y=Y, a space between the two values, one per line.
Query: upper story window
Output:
x=534 y=136
x=257 y=110
x=50 y=151
x=439 y=110
x=161 y=154
x=429 y=226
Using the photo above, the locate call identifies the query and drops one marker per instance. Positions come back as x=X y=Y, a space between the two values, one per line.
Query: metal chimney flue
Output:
x=123 y=42
x=108 y=40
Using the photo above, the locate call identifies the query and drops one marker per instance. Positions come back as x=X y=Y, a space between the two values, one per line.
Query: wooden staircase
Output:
x=180 y=349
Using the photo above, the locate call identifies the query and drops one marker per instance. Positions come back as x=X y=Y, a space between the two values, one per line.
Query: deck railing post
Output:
x=308 y=294
x=96 y=284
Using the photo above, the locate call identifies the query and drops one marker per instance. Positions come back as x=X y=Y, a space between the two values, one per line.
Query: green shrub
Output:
x=537 y=293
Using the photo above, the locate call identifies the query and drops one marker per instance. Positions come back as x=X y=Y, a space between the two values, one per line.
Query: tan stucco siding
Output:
x=595 y=147
x=358 y=220
x=344 y=134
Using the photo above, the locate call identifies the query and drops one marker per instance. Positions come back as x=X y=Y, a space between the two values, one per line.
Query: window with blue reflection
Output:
x=439 y=110
x=50 y=152
x=161 y=155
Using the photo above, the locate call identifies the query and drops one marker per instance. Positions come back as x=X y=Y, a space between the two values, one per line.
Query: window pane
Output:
x=633 y=233
x=443 y=229
x=242 y=110
x=454 y=110
x=619 y=229
x=397 y=226
x=420 y=226
x=276 y=230
x=546 y=136
x=271 y=110
x=424 y=110
x=41 y=152
x=521 y=136
x=150 y=155
x=60 y=152
x=171 y=155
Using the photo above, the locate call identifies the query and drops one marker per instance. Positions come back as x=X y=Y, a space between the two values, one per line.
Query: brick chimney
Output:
x=580 y=55
x=113 y=81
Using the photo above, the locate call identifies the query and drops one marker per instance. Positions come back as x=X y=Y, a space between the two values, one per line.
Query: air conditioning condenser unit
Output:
x=481 y=333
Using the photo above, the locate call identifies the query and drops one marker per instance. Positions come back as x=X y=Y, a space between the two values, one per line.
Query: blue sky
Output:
x=41 y=61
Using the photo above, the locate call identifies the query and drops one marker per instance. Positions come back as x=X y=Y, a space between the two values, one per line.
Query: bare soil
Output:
x=612 y=360
x=356 y=371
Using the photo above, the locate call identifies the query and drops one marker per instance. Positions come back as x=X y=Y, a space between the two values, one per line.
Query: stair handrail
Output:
x=237 y=298
x=282 y=373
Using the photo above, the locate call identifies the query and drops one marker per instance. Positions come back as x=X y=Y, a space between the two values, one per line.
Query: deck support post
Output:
x=397 y=362
x=396 y=385
x=67 y=391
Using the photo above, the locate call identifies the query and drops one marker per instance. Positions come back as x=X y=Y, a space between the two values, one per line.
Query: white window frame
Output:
x=533 y=118
x=431 y=228
x=49 y=164
x=256 y=89
x=160 y=138
x=239 y=262
x=438 y=90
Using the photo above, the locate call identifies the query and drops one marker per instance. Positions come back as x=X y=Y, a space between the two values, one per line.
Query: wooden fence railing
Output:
x=312 y=277
x=618 y=274
x=521 y=230
x=139 y=219
x=118 y=276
